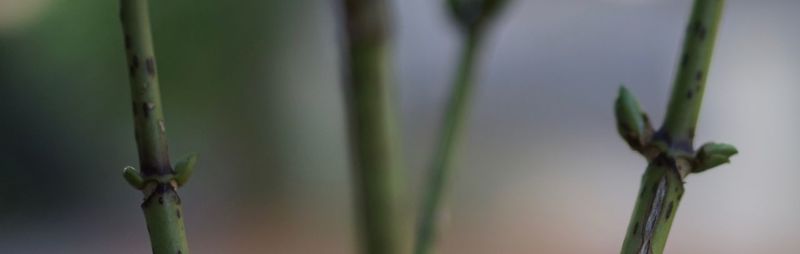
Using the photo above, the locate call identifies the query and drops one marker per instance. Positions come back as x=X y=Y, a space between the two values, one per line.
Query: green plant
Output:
x=372 y=128
x=473 y=18
x=670 y=151
x=156 y=179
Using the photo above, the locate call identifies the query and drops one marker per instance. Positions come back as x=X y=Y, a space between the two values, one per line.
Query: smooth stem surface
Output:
x=161 y=206
x=453 y=124
x=372 y=129
x=662 y=183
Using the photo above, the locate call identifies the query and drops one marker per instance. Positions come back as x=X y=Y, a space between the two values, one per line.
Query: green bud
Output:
x=184 y=169
x=711 y=155
x=632 y=124
x=133 y=177
x=472 y=14
x=719 y=149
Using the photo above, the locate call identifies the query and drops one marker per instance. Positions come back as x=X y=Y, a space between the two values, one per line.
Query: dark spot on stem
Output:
x=685 y=59
x=689 y=94
x=178 y=213
x=150 y=65
x=635 y=228
x=669 y=210
x=701 y=32
x=699 y=75
x=665 y=160
x=161 y=200
x=694 y=26
x=146 y=108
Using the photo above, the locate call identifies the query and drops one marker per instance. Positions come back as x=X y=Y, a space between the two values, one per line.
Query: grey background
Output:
x=254 y=87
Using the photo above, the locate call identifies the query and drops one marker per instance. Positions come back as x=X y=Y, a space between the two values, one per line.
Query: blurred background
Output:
x=254 y=87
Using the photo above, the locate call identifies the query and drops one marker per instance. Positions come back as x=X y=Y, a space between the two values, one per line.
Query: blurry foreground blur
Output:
x=254 y=88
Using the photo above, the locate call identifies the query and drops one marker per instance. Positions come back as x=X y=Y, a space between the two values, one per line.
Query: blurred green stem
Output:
x=372 y=128
x=453 y=125
x=670 y=151
x=161 y=205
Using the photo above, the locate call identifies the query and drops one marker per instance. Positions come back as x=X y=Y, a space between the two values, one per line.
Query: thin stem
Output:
x=372 y=128
x=453 y=126
x=670 y=151
x=162 y=207
x=687 y=91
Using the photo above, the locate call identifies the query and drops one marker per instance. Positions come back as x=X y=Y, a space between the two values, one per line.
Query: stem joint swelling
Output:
x=634 y=127
x=177 y=178
x=156 y=177
x=669 y=151
x=662 y=184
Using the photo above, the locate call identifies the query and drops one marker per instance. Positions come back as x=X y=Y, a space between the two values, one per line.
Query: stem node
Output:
x=662 y=183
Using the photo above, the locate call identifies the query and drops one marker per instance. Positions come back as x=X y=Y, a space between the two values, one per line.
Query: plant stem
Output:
x=453 y=125
x=161 y=205
x=670 y=152
x=372 y=128
x=661 y=192
x=687 y=91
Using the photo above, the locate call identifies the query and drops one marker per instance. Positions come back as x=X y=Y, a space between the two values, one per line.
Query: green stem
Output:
x=453 y=125
x=660 y=193
x=162 y=206
x=671 y=151
x=687 y=91
x=372 y=128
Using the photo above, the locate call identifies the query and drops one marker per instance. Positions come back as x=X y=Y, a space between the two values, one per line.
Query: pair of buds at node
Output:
x=183 y=170
x=634 y=127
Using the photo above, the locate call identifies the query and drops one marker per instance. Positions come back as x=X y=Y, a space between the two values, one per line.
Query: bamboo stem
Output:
x=372 y=128
x=453 y=126
x=670 y=151
x=157 y=180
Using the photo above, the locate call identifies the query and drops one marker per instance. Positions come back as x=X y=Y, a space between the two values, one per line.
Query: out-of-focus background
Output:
x=255 y=88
